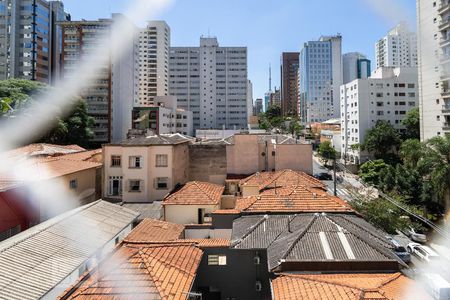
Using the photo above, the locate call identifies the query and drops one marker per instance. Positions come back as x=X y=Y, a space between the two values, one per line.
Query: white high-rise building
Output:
x=387 y=95
x=249 y=100
x=211 y=81
x=320 y=77
x=397 y=49
x=355 y=65
x=433 y=33
x=152 y=65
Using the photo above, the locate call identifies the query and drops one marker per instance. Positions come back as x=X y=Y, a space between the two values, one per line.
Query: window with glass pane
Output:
x=135 y=161
x=161 y=160
x=135 y=185
x=162 y=183
x=115 y=160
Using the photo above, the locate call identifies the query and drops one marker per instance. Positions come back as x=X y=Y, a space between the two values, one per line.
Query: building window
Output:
x=73 y=184
x=135 y=162
x=135 y=185
x=162 y=183
x=217 y=260
x=161 y=160
x=116 y=160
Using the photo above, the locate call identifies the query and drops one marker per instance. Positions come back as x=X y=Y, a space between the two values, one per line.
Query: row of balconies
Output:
x=444 y=7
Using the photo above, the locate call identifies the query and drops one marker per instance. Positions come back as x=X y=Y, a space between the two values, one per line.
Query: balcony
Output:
x=446 y=126
x=444 y=25
x=444 y=7
x=444 y=42
x=445 y=92
x=446 y=109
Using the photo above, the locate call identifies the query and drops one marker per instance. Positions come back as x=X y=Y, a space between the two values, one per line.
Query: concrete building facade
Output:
x=320 y=77
x=397 y=49
x=433 y=30
x=152 y=65
x=211 y=81
x=387 y=95
x=355 y=65
x=289 y=83
x=30 y=40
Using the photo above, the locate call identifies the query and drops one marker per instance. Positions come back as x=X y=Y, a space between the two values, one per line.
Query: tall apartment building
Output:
x=30 y=42
x=355 y=66
x=152 y=65
x=387 y=95
x=249 y=100
x=289 y=83
x=433 y=30
x=211 y=81
x=320 y=78
x=275 y=97
x=397 y=49
x=110 y=98
x=258 y=107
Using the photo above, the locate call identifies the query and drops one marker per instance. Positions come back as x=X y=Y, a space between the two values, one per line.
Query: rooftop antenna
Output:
x=270 y=77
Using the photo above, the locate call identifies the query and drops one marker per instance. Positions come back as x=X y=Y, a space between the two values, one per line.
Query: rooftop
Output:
x=41 y=150
x=145 y=272
x=151 y=230
x=282 y=178
x=34 y=261
x=154 y=140
x=196 y=192
x=315 y=241
x=292 y=199
x=354 y=286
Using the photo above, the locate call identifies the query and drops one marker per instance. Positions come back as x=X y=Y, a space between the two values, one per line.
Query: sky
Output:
x=268 y=27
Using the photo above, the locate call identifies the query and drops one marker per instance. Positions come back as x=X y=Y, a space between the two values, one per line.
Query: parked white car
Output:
x=416 y=235
x=424 y=253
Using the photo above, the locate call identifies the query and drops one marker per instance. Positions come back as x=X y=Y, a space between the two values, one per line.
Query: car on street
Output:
x=416 y=235
x=423 y=253
x=400 y=250
x=323 y=176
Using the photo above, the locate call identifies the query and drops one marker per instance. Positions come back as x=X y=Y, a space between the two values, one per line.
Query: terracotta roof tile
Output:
x=282 y=178
x=292 y=199
x=150 y=272
x=89 y=155
x=345 y=286
x=151 y=230
x=209 y=243
x=37 y=169
x=42 y=150
x=195 y=192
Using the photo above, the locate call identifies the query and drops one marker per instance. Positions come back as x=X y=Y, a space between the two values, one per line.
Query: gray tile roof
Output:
x=36 y=260
x=312 y=238
x=161 y=139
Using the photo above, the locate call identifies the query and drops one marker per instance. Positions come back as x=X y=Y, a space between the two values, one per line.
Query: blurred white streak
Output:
x=391 y=11
x=37 y=119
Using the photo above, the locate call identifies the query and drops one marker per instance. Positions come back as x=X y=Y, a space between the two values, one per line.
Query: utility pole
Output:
x=334 y=175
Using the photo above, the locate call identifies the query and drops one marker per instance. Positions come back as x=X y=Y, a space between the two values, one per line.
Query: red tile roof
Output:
x=37 y=169
x=151 y=230
x=90 y=155
x=282 y=178
x=208 y=243
x=194 y=193
x=292 y=199
x=151 y=272
x=42 y=150
x=346 y=287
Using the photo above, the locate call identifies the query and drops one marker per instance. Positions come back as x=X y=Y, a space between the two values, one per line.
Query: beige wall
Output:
x=249 y=190
x=245 y=156
x=297 y=157
x=176 y=170
x=242 y=157
x=185 y=214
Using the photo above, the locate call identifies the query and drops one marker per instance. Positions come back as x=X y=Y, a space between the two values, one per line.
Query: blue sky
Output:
x=268 y=27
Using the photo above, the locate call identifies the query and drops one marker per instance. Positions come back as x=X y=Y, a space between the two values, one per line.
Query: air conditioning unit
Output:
x=257 y=260
x=258 y=286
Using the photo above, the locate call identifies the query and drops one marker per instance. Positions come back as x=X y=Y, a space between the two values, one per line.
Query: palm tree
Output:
x=434 y=165
x=411 y=151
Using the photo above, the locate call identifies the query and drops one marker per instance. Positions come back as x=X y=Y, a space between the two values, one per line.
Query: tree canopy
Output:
x=381 y=140
x=326 y=151
x=412 y=124
x=73 y=128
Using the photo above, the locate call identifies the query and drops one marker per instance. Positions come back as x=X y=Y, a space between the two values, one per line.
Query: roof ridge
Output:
x=201 y=189
x=391 y=278
x=253 y=228
x=294 y=243
x=308 y=277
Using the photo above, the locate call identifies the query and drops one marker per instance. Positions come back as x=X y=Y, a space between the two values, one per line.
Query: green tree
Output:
x=273 y=111
x=434 y=166
x=411 y=152
x=326 y=152
x=371 y=171
x=74 y=128
x=16 y=94
x=412 y=124
x=382 y=140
